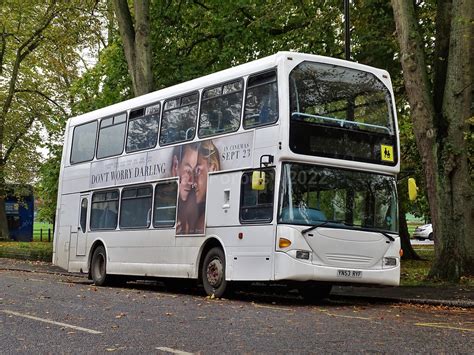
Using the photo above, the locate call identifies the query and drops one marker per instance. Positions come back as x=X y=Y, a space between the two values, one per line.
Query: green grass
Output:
x=27 y=250
x=43 y=225
x=415 y=272
x=37 y=227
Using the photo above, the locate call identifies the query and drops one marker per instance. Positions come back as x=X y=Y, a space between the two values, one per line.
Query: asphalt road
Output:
x=47 y=313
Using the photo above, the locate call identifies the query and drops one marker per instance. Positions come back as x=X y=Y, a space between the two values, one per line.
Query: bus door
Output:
x=81 y=241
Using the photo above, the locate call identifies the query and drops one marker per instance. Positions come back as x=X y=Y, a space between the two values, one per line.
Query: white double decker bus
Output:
x=281 y=169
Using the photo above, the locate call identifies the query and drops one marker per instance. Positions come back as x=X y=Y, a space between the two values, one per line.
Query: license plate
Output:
x=349 y=273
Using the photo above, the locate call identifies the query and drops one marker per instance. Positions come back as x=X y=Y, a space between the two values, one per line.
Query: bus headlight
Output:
x=389 y=262
x=302 y=254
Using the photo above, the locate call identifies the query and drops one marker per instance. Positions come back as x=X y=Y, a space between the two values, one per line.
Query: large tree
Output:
x=441 y=102
x=39 y=51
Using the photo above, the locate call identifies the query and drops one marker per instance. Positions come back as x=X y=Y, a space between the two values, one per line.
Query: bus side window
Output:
x=221 y=107
x=261 y=100
x=143 y=128
x=135 y=206
x=83 y=215
x=178 y=123
x=104 y=210
x=257 y=205
x=83 y=142
x=166 y=195
x=111 y=136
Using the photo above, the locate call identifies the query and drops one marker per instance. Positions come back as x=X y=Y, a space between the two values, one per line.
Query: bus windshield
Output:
x=343 y=112
x=311 y=195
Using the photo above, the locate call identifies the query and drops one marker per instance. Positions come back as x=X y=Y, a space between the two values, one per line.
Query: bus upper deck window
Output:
x=179 y=119
x=221 y=108
x=83 y=142
x=261 y=100
x=111 y=136
x=143 y=128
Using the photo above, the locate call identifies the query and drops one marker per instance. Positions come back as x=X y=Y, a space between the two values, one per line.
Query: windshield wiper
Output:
x=320 y=225
x=392 y=239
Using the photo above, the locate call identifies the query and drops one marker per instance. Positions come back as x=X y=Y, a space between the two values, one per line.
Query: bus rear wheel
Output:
x=99 y=266
x=213 y=273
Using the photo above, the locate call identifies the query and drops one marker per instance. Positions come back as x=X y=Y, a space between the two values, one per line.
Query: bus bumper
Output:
x=288 y=268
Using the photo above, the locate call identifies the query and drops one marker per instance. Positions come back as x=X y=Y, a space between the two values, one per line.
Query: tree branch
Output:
x=202 y=5
x=16 y=140
x=203 y=39
x=43 y=95
x=288 y=28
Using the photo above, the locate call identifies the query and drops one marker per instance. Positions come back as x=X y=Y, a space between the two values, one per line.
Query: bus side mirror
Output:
x=258 y=180
x=412 y=189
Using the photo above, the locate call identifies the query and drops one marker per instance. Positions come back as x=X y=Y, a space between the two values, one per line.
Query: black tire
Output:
x=99 y=266
x=430 y=237
x=213 y=273
x=314 y=292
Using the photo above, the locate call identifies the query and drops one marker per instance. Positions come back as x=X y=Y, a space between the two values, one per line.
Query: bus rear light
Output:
x=283 y=243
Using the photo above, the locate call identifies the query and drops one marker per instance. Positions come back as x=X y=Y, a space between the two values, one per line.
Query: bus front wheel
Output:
x=213 y=273
x=98 y=266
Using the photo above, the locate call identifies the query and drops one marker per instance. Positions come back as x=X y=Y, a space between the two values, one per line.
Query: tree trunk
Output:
x=136 y=43
x=456 y=222
x=4 y=233
x=440 y=137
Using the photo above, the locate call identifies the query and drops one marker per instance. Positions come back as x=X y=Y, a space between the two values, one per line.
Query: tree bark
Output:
x=136 y=43
x=440 y=135
x=4 y=232
x=455 y=184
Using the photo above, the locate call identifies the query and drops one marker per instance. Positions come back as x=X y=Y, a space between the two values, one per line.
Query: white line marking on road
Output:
x=272 y=307
x=324 y=311
x=445 y=326
x=173 y=351
x=91 y=331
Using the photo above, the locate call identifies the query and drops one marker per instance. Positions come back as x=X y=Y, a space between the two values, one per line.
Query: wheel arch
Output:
x=211 y=242
x=98 y=242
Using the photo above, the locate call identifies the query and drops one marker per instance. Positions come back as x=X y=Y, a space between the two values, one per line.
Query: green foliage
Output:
x=196 y=38
x=27 y=250
x=47 y=186
x=106 y=83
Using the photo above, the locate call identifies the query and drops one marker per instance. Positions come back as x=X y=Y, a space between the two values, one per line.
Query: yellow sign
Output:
x=387 y=152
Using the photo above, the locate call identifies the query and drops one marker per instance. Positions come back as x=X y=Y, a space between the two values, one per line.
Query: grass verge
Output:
x=415 y=272
x=42 y=251
x=42 y=231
